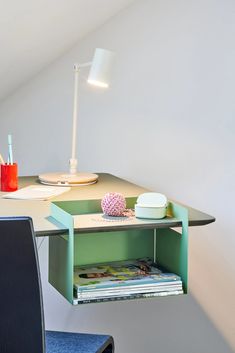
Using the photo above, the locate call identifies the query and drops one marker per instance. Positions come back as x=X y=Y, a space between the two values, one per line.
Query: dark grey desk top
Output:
x=39 y=211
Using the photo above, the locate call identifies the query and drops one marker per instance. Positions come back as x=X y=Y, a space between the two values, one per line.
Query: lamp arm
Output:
x=78 y=66
x=73 y=160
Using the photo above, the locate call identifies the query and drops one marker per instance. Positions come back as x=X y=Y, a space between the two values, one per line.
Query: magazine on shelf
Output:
x=125 y=291
x=138 y=275
x=127 y=297
x=134 y=288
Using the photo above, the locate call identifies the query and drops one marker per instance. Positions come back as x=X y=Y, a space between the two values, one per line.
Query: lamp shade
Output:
x=101 y=67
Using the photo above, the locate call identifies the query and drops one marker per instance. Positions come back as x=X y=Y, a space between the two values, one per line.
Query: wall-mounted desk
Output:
x=39 y=211
x=70 y=245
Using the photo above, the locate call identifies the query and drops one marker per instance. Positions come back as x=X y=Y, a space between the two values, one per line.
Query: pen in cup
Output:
x=10 y=153
x=8 y=171
x=1 y=160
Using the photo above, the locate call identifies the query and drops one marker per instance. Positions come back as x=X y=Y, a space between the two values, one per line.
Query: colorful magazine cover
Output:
x=120 y=273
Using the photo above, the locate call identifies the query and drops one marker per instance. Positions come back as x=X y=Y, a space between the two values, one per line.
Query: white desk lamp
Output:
x=99 y=76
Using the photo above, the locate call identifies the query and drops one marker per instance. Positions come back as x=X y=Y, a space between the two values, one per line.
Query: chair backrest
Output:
x=21 y=308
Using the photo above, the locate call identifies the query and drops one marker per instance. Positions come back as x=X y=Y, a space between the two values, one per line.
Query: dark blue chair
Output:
x=21 y=308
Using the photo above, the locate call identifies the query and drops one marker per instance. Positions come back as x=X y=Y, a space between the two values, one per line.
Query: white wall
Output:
x=166 y=123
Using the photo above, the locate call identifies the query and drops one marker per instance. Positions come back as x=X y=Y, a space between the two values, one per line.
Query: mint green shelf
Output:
x=87 y=245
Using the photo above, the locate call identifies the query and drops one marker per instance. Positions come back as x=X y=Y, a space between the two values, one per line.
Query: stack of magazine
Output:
x=120 y=280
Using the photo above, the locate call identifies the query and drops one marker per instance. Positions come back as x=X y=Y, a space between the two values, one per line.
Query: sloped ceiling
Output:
x=33 y=33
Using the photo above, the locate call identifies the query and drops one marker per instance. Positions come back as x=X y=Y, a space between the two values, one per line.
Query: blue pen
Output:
x=10 y=154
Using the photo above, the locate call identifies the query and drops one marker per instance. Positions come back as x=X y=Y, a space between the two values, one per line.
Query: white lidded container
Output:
x=151 y=205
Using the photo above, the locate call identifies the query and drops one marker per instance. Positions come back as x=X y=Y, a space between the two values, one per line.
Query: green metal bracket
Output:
x=169 y=247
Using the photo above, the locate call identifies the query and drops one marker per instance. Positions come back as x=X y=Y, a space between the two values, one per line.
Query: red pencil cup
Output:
x=9 y=177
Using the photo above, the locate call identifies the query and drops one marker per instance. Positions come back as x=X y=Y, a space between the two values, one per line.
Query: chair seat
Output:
x=65 y=342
